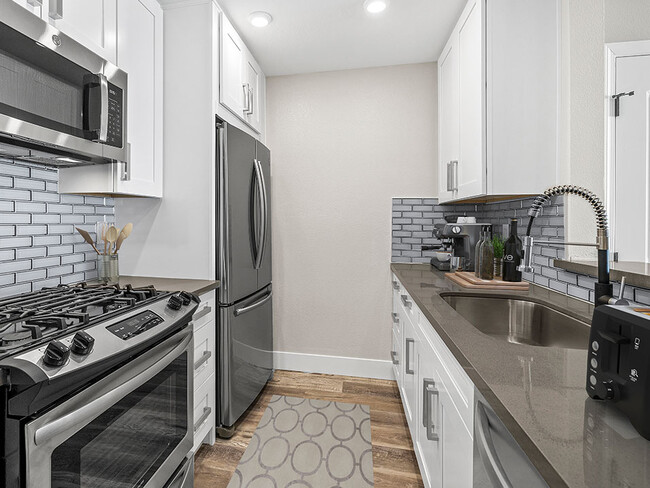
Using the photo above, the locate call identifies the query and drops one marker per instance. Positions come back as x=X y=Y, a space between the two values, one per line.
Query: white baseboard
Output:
x=344 y=366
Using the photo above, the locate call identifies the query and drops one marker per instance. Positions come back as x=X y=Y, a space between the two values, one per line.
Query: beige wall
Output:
x=342 y=144
x=588 y=25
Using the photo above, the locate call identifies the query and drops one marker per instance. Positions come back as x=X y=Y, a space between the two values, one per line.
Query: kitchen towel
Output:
x=302 y=443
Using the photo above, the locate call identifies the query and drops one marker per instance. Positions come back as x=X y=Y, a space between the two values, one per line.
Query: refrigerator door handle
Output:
x=253 y=306
x=261 y=238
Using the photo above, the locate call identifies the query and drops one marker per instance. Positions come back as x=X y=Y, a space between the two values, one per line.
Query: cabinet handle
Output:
x=251 y=107
x=408 y=356
x=487 y=451
x=395 y=318
x=56 y=9
x=393 y=356
x=396 y=285
x=35 y=3
x=246 y=97
x=204 y=416
x=203 y=359
x=406 y=301
x=452 y=176
x=202 y=313
x=428 y=393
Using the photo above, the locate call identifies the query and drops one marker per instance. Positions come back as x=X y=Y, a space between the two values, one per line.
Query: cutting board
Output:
x=468 y=280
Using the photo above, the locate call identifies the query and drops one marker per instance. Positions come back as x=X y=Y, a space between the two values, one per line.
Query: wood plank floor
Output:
x=392 y=451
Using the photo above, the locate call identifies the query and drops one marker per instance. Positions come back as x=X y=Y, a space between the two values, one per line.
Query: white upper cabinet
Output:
x=232 y=93
x=448 y=129
x=92 y=23
x=498 y=104
x=140 y=54
x=242 y=84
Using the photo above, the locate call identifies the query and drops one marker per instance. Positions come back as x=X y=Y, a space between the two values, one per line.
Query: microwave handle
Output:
x=103 y=124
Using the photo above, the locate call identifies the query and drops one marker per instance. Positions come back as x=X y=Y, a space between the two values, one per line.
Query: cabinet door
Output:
x=253 y=82
x=428 y=438
x=232 y=89
x=408 y=370
x=34 y=6
x=448 y=120
x=140 y=54
x=471 y=167
x=457 y=446
x=93 y=23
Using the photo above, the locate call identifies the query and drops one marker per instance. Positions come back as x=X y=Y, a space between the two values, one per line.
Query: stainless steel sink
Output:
x=521 y=321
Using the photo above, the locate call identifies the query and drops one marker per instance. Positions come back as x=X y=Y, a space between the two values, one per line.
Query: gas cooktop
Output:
x=29 y=319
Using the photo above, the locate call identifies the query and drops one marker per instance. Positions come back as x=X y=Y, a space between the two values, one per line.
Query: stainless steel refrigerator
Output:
x=245 y=318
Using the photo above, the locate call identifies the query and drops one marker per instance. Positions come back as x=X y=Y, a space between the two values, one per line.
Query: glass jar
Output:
x=498 y=266
x=108 y=268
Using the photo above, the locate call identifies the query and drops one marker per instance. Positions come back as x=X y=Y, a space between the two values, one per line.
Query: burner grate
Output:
x=27 y=318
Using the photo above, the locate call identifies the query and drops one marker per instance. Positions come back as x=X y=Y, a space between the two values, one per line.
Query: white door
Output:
x=232 y=90
x=89 y=22
x=631 y=171
x=448 y=123
x=140 y=25
x=471 y=167
x=428 y=439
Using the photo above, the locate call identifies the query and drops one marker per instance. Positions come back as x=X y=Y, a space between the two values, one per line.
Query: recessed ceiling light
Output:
x=375 y=6
x=260 y=19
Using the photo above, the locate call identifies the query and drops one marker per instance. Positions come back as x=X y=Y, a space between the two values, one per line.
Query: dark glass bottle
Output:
x=512 y=255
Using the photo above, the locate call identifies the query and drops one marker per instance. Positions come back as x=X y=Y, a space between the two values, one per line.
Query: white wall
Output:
x=588 y=25
x=342 y=144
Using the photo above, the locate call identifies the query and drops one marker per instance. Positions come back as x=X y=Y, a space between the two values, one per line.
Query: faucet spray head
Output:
x=526 y=265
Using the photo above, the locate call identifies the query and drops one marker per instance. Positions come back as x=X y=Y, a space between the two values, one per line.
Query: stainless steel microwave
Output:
x=60 y=103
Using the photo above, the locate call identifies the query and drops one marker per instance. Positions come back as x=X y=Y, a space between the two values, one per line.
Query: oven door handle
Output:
x=92 y=409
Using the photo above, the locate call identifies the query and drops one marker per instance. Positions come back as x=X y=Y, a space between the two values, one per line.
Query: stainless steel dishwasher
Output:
x=498 y=459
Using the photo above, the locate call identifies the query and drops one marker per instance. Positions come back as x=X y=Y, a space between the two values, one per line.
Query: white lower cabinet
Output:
x=204 y=371
x=438 y=400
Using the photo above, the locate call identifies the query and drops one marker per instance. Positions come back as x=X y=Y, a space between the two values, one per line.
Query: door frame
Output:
x=613 y=51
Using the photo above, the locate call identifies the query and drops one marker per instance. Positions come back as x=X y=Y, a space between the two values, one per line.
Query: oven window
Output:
x=125 y=446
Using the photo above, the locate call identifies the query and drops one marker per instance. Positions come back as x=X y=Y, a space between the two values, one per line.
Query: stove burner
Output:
x=15 y=337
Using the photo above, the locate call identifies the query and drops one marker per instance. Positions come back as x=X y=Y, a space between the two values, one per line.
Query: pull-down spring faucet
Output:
x=603 y=288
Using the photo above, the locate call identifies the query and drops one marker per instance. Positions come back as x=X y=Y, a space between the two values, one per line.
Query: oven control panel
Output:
x=131 y=327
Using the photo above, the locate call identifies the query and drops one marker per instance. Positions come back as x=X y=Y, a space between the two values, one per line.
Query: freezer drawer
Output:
x=245 y=354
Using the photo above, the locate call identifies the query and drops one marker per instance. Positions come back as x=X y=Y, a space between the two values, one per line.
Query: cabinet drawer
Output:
x=206 y=311
x=204 y=353
x=204 y=411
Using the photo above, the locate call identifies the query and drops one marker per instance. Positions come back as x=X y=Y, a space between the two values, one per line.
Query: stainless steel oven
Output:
x=58 y=99
x=133 y=428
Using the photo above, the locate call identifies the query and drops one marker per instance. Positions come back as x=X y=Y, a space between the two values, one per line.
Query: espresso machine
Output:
x=461 y=240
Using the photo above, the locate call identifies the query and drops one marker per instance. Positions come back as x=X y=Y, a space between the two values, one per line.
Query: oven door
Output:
x=132 y=428
x=56 y=95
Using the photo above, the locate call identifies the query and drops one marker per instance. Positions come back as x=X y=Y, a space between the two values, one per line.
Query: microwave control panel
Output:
x=115 y=115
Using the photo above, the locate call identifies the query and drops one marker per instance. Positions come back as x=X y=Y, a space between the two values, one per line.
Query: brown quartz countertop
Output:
x=538 y=392
x=198 y=287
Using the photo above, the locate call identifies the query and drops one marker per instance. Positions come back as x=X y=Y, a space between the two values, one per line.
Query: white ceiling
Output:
x=325 y=35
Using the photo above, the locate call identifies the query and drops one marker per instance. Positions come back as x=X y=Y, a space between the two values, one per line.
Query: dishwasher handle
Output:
x=486 y=449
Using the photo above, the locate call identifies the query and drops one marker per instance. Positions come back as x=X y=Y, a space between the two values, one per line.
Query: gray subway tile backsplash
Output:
x=39 y=246
x=409 y=234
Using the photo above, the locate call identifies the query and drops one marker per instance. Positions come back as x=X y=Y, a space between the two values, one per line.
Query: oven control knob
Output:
x=175 y=302
x=186 y=297
x=56 y=354
x=82 y=343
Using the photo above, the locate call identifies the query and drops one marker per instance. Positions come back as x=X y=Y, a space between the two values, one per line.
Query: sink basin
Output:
x=521 y=321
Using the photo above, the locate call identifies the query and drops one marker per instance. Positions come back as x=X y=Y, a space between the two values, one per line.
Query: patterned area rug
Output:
x=301 y=443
